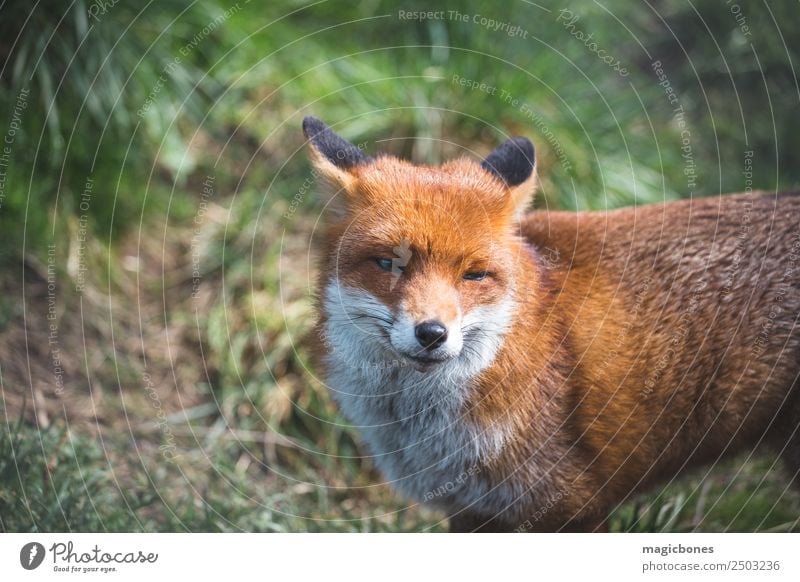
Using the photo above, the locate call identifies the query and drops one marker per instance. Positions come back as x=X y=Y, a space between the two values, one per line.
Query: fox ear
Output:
x=333 y=156
x=513 y=162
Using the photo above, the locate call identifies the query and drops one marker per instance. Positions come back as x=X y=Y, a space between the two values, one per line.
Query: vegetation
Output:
x=159 y=225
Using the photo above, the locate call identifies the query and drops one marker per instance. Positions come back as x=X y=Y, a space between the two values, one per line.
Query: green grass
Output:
x=55 y=480
x=737 y=495
x=260 y=446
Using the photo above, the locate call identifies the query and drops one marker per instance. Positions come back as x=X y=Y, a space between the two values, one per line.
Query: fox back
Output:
x=532 y=371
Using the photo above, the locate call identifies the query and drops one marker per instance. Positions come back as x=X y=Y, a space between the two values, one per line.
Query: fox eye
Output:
x=385 y=264
x=475 y=275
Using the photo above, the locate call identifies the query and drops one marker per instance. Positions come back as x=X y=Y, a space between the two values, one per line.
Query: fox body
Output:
x=532 y=371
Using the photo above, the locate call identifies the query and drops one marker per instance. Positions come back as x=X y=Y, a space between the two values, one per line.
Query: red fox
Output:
x=532 y=371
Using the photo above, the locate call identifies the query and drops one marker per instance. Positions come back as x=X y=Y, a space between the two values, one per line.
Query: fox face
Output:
x=420 y=262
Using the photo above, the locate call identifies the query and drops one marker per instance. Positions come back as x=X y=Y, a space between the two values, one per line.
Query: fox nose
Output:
x=430 y=334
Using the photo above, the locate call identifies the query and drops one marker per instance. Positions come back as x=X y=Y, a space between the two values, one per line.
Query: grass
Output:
x=56 y=480
x=189 y=399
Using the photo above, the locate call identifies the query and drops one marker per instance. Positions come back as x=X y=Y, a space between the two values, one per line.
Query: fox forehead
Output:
x=459 y=187
x=388 y=173
x=450 y=212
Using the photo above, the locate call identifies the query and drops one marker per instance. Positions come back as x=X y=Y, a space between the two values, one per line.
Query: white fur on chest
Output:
x=413 y=421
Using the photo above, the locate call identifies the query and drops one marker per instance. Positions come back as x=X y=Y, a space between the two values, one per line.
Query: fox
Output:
x=532 y=370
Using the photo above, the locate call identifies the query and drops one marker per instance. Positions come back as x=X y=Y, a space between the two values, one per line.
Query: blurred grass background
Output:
x=173 y=391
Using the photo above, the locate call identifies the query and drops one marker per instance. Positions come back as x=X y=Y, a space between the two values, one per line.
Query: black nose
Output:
x=430 y=334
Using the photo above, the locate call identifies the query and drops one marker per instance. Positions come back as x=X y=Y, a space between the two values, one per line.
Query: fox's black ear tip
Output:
x=521 y=147
x=524 y=144
x=339 y=151
x=513 y=161
x=312 y=126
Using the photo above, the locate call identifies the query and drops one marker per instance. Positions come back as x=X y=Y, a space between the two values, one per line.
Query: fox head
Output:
x=421 y=262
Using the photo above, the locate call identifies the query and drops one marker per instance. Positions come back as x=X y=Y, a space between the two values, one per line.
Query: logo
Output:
x=402 y=257
x=31 y=555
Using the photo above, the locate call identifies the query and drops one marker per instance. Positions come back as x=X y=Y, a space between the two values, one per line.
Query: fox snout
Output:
x=430 y=334
x=428 y=317
x=427 y=338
